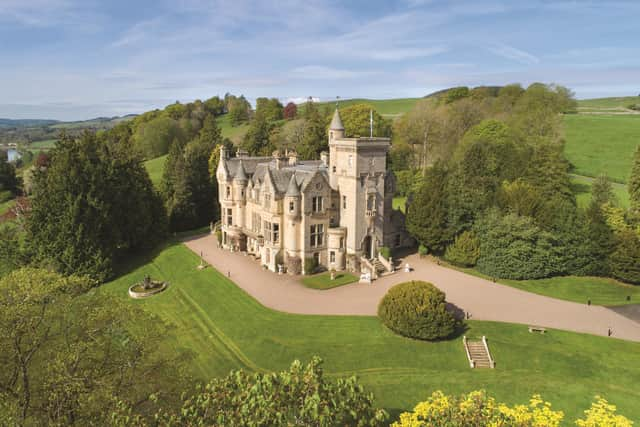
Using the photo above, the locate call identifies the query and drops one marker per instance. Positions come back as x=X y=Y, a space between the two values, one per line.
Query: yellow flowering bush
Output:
x=479 y=409
x=603 y=414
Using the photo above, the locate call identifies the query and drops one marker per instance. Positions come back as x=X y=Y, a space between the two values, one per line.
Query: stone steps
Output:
x=478 y=354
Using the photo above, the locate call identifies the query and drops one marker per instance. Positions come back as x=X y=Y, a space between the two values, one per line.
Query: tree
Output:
x=417 y=310
x=153 y=138
x=66 y=353
x=290 y=111
x=214 y=106
x=8 y=179
x=428 y=209
x=77 y=222
x=190 y=193
x=634 y=184
x=479 y=409
x=256 y=140
x=357 y=121
x=270 y=108
x=455 y=94
x=602 y=191
x=513 y=247
x=239 y=109
x=464 y=251
x=314 y=139
x=625 y=259
x=300 y=396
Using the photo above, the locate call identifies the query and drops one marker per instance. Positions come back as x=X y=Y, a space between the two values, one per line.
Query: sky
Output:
x=79 y=59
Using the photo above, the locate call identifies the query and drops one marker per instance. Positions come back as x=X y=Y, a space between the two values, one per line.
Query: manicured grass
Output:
x=597 y=144
x=155 y=168
x=582 y=189
x=224 y=328
x=323 y=280
x=600 y=290
x=399 y=203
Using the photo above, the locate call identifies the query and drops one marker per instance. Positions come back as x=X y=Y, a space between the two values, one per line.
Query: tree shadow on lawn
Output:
x=130 y=262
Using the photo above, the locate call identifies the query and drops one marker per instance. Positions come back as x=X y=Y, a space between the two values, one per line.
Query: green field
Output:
x=596 y=104
x=323 y=280
x=155 y=168
x=581 y=186
x=43 y=145
x=599 y=144
x=234 y=133
x=225 y=328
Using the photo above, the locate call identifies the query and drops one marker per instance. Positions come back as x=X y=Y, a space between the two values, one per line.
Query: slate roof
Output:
x=336 y=122
x=255 y=168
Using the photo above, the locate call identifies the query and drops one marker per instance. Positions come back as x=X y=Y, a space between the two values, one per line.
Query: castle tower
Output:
x=240 y=193
x=358 y=172
x=292 y=216
x=336 y=132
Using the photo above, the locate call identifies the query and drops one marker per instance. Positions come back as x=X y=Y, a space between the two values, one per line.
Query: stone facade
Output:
x=337 y=210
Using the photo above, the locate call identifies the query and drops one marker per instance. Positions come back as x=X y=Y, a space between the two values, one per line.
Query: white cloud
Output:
x=321 y=72
x=510 y=52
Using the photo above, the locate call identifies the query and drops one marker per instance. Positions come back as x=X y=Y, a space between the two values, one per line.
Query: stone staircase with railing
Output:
x=478 y=353
x=380 y=268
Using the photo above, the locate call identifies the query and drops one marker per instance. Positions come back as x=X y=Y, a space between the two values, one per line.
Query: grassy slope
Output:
x=235 y=133
x=323 y=280
x=155 y=168
x=599 y=103
x=385 y=107
x=602 y=144
x=225 y=329
x=582 y=190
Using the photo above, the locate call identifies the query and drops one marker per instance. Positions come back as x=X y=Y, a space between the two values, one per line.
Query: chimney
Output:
x=279 y=159
x=293 y=157
x=324 y=157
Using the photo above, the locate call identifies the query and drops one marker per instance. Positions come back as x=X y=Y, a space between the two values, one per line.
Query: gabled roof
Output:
x=336 y=122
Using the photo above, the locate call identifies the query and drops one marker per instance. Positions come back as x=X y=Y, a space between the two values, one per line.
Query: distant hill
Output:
x=97 y=123
x=16 y=123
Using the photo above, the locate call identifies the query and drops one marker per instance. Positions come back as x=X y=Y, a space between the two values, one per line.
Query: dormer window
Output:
x=292 y=206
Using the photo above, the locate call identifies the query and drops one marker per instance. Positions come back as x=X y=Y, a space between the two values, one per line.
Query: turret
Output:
x=292 y=198
x=336 y=129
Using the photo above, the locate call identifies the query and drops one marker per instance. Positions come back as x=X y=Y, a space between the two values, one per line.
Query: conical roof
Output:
x=292 y=189
x=241 y=174
x=336 y=122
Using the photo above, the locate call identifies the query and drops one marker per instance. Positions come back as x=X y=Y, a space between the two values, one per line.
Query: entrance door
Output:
x=368 y=247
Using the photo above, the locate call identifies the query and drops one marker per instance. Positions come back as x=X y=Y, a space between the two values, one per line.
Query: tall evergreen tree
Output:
x=8 y=179
x=93 y=203
x=427 y=211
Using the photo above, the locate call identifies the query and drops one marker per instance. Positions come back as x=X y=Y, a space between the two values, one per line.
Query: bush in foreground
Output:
x=479 y=409
x=299 y=396
x=417 y=310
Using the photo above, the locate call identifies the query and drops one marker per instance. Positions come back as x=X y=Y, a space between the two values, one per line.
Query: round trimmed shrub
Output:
x=417 y=310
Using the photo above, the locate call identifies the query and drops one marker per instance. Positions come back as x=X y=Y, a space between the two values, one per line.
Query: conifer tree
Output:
x=634 y=184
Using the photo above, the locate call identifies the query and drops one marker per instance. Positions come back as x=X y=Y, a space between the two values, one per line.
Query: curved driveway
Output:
x=483 y=299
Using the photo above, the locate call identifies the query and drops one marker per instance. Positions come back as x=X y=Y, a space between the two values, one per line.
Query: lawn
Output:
x=323 y=280
x=155 y=168
x=597 y=144
x=224 y=328
x=581 y=186
x=600 y=290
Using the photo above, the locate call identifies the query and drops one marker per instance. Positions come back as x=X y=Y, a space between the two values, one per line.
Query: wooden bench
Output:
x=537 y=329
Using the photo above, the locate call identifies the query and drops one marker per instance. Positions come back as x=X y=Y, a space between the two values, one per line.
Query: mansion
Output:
x=335 y=212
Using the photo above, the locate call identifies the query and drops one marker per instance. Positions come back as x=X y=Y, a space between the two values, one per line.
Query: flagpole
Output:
x=371 y=123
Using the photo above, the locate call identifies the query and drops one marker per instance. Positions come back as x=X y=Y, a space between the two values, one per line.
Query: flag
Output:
x=371 y=123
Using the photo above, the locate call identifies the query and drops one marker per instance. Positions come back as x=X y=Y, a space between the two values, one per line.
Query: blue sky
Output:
x=77 y=59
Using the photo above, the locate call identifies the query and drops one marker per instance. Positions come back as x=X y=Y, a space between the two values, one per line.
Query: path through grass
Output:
x=225 y=328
